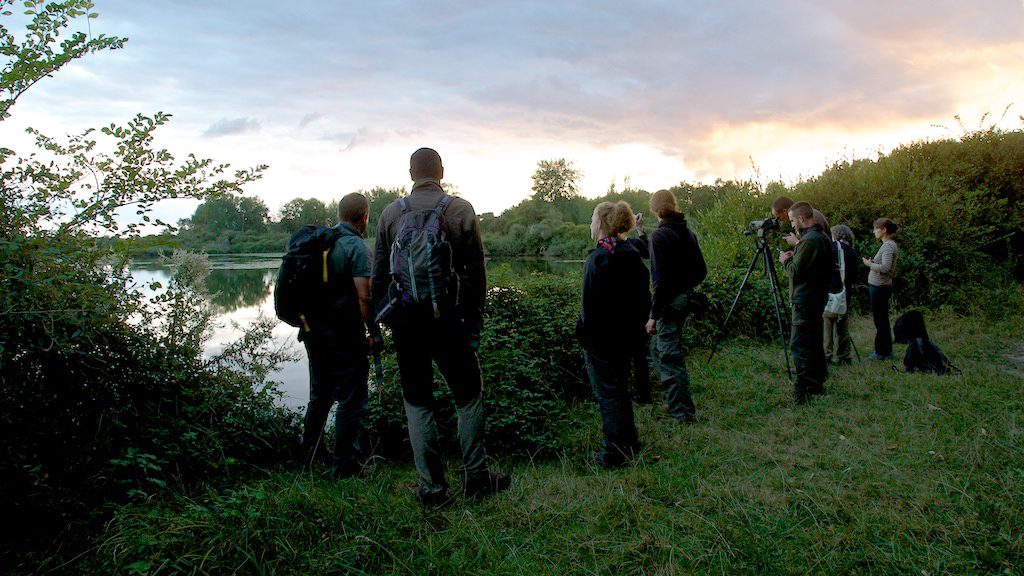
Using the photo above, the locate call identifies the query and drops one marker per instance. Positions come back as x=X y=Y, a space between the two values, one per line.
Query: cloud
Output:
x=309 y=119
x=707 y=82
x=232 y=127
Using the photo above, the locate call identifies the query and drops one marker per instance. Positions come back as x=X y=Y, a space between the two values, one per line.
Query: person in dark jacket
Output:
x=810 y=272
x=614 y=307
x=837 y=327
x=677 y=267
x=450 y=339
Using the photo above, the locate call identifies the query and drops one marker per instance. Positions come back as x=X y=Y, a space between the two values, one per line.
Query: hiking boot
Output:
x=432 y=496
x=487 y=483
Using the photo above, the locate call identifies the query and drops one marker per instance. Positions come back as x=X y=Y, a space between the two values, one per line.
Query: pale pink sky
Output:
x=334 y=96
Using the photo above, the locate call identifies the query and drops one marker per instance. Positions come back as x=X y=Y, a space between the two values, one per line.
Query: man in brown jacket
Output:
x=444 y=329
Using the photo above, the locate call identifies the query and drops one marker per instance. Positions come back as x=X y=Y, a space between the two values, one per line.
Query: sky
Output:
x=335 y=95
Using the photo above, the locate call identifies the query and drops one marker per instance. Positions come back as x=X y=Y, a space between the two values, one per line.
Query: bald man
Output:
x=445 y=332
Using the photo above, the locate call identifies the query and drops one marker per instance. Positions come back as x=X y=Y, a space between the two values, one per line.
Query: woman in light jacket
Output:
x=880 y=286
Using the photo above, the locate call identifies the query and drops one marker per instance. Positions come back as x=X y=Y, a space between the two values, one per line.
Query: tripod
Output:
x=763 y=254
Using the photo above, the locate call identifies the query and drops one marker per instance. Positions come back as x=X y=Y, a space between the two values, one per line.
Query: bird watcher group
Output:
x=426 y=281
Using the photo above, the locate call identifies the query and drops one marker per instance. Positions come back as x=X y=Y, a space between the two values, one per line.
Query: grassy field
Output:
x=887 y=474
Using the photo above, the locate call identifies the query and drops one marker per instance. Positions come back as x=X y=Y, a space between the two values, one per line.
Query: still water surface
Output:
x=242 y=289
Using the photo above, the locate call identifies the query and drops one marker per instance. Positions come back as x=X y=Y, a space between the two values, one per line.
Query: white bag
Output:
x=836 y=305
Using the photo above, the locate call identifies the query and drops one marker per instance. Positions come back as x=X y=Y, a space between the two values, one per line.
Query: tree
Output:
x=556 y=180
x=253 y=214
x=36 y=57
x=91 y=371
x=299 y=212
x=380 y=198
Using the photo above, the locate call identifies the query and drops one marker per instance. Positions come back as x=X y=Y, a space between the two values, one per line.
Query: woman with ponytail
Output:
x=616 y=300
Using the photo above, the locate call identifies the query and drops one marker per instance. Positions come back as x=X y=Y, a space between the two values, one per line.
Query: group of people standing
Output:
x=439 y=326
x=619 y=313
x=823 y=262
x=427 y=282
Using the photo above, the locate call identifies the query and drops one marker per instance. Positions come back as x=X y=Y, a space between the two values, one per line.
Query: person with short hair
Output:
x=677 y=267
x=882 y=267
x=445 y=332
x=337 y=347
x=810 y=272
x=780 y=208
x=615 y=301
x=837 y=327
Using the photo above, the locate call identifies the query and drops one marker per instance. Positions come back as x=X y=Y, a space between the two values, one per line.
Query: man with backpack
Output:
x=429 y=282
x=323 y=288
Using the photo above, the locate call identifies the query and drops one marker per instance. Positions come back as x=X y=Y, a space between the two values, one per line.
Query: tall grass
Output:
x=889 y=473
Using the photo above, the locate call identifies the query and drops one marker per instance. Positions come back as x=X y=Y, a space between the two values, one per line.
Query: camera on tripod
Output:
x=763 y=227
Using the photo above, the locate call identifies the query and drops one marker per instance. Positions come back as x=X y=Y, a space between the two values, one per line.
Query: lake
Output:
x=241 y=288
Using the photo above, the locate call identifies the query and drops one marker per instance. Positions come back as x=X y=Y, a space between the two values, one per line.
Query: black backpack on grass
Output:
x=922 y=354
x=300 y=294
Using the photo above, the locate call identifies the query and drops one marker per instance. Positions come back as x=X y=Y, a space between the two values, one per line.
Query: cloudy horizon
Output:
x=334 y=96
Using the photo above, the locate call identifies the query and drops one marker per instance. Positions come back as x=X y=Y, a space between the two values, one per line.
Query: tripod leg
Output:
x=721 y=329
x=774 y=287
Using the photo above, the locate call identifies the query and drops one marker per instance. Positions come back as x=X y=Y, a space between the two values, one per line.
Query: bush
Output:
x=954 y=200
x=100 y=404
x=531 y=363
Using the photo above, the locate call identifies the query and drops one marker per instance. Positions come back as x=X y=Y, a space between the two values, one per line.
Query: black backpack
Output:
x=922 y=354
x=421 y=263
x=300 y=295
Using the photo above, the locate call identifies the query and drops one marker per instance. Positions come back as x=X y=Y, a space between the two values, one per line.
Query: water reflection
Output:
x=232 y=289
x=242 y=285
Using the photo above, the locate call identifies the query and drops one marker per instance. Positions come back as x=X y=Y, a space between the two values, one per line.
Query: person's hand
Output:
x=784 y=256
x=650 y=326
x=867 y=262
x=640 y=222
x=791 y=239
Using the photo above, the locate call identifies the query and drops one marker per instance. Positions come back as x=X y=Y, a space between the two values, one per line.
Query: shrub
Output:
x=531 y=364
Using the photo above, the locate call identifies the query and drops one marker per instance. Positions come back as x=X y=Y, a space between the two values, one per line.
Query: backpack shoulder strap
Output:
x=842 y=262
x=442 y=205
x=403 y=204
x=329 y=240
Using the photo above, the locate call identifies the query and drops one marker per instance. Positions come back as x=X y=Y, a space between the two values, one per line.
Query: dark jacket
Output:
x=615 y=301
x=853 y=266
x=349 y=258
x=643 y=244
x=463 y=229
x=810 y=268
x=677 y=264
